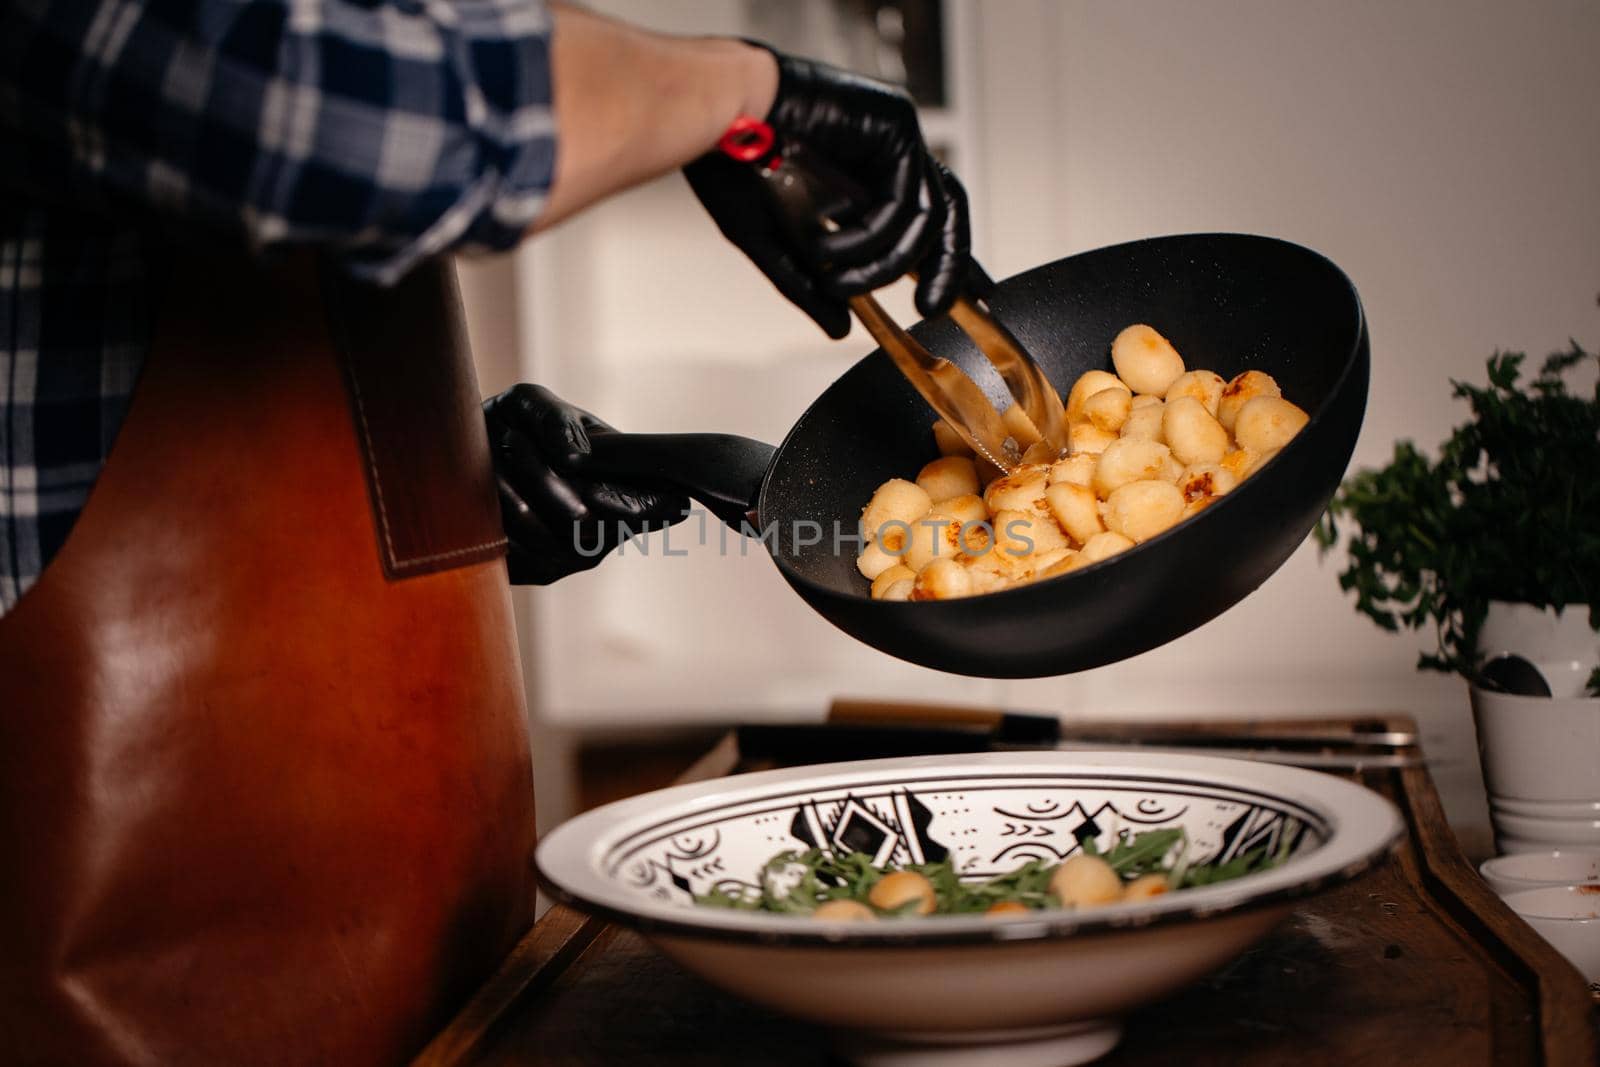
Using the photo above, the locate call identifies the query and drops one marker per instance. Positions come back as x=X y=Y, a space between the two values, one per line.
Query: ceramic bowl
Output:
x=1045 y=988
x=1568 y=917
x=1534 y=870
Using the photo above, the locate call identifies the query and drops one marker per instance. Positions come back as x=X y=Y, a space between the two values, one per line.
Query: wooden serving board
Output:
x=1416 y=963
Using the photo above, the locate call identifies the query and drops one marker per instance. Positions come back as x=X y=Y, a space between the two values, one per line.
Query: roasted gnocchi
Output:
x=1150 y=445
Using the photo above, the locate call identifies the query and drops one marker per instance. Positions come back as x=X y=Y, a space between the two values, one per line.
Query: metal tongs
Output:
x=805 y=193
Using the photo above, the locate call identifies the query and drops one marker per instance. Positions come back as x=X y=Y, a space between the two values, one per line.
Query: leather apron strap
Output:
x=259 y=801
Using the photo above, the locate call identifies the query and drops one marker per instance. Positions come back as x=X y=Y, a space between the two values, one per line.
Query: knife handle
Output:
x=1009 y=726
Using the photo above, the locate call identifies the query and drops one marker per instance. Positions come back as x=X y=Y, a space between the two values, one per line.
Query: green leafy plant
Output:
x=1509 y=511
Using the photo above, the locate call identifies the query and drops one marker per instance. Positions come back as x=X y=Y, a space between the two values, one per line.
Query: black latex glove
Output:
x=560 y=524
x=915 y=217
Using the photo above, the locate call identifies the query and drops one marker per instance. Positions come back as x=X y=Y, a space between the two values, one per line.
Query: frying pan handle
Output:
x=722 y=471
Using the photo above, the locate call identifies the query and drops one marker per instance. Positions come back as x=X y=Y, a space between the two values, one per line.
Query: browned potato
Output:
x=1128 y=459
x=1027 y=533
x=1146 y=886
x=896 y=501
x=899 y=889
x=1150 y=446
x=1007 y=907
x=1205 y=482
x=1104 y=546
x=844 y=911
x=900 y=590
x=1088 y=384
x=874 y=560
x=942 y=579
x=948 y=476
x=965 y=509
x=1204 y=385
x=1145 y=360
x=1239 y=462
x=1140 y=510
x=898 y=573
x=1191 y=432
x=992 y=572
x=1065 y=565
x=1085 y=881
x=1076 y=509
x=1043 y=561
x=1244 y=387
x=1267 y=423
x=1087 y=437
x=934 y=535
x=1078 y=468
x=1144 y=422
x=1021 y=490
x=1108 y=409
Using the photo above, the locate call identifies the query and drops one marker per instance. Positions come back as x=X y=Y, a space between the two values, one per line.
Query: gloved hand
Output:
x=915 y=218
x=559 y=524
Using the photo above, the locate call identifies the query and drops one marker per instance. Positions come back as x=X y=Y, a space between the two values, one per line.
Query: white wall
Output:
x=1444 y=153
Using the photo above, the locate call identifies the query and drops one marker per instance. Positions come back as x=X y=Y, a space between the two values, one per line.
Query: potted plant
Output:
x=1495 y=547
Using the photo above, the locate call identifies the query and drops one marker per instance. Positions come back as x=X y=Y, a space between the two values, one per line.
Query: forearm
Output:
x=631 y=105
x=264 y=120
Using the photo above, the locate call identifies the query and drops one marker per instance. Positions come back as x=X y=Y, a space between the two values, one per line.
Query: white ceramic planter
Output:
x=1541 y=768
x=1559 y=643
x=1541 y=755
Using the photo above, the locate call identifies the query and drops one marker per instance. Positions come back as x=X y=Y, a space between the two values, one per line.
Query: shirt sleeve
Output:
x=389 y=131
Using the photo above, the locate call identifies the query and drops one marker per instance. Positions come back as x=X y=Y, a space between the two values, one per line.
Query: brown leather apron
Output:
x=264 y=780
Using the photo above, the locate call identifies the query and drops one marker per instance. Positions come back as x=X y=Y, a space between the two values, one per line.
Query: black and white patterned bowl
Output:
x=1048 y=985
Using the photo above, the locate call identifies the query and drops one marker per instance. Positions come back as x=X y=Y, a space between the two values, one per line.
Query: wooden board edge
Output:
x=1565 y=1006
x=553 y=942
x=558 y=937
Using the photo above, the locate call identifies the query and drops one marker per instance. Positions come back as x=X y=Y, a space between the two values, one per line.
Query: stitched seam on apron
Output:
x=377 y=491
x=367 y=457
x=417 y=560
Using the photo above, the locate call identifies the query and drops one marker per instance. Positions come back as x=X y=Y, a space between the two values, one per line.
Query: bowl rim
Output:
x=1364 y=829
x=1531 y=910
x=1491 y=868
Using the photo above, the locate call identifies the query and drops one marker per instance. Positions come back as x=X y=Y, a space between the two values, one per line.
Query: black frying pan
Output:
x=1227 y=302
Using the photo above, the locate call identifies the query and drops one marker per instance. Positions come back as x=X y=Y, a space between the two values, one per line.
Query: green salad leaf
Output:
x=797 y=883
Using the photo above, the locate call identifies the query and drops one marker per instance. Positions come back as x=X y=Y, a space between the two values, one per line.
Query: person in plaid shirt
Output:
x=387 y=133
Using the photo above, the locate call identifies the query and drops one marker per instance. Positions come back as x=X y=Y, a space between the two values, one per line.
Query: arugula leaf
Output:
x=1142 y=853
x=795 y=883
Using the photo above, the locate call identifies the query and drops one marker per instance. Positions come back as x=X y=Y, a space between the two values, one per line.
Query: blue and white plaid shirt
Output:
x=388 y=131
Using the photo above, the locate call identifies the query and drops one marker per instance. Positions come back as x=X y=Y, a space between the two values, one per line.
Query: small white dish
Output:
x=1568 y=917
x=1535 y=870
x=1046 y=989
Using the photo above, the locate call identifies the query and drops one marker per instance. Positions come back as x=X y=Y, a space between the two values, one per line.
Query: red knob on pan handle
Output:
x=748 y=140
